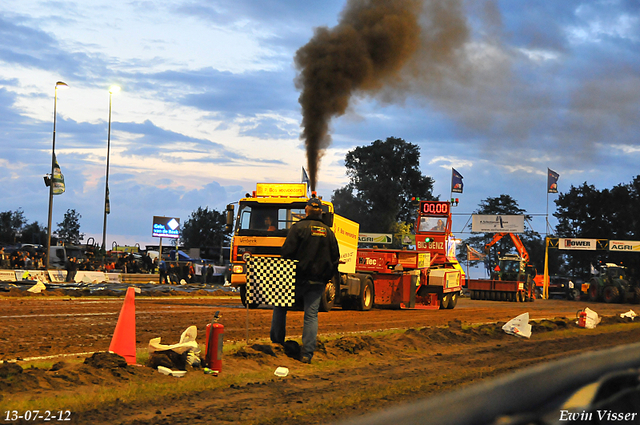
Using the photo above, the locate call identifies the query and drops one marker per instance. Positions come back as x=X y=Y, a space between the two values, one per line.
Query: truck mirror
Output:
x=229 y=225
x=327 y=218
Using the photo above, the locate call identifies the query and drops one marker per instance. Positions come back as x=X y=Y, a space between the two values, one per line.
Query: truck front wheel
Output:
x=328 y=297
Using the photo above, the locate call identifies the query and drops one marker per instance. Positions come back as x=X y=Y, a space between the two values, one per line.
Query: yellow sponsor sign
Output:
x=346 y=232
x=629 y=246
x=282 y=189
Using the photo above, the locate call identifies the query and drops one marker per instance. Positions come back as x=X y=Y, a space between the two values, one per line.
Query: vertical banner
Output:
x=456 y=181
x=305 y=179
x=107 y=204
x=552 y=181
x=57 y=180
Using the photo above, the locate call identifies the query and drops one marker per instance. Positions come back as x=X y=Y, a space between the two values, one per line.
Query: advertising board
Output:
x=166 y=227
x=497 y=223
x=626 y=246
x=577 y=244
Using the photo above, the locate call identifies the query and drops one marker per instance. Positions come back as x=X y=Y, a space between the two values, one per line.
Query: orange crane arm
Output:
x=522 y=251
x=520 y=247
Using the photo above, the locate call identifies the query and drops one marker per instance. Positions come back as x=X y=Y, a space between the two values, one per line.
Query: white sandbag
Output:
x=518 y=326
x=592 y=319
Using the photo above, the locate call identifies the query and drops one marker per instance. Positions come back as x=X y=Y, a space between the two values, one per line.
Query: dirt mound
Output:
x=106 y=361
x=98 y=369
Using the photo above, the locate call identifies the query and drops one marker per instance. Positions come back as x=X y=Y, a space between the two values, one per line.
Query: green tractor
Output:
x=611 y=285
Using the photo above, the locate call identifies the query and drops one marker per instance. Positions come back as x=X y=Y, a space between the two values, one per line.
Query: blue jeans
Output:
x=310 y=294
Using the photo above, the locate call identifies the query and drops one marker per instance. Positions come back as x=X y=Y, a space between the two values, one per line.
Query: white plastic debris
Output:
x=632 y=314
x=187 y=342
x=281 y=372
x=164 y=370
x=176 y=373
x=518 y=326
x=37 y=288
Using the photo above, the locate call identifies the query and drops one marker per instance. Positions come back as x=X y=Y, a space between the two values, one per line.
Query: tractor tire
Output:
x=453 y=300
x=593 y=291
x=243 y=298
x=328 y=297
x=611 y=294
x=573 y=295
x=367 y=294
x=636 y=295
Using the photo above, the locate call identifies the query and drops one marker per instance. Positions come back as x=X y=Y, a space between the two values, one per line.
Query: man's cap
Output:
x=314 y=202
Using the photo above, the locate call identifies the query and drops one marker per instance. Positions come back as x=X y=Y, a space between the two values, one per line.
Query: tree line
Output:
x=383 y=177
x=15 y=228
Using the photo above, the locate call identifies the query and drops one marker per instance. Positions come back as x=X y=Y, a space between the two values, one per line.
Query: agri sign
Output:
x=628 y=246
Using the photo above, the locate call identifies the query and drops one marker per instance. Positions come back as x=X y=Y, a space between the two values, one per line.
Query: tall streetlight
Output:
x=60 y=85
x=112 y=90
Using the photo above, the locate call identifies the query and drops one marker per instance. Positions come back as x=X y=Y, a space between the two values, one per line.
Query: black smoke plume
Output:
x=365 y=53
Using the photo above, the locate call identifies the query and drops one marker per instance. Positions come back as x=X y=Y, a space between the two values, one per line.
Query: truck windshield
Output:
x=432 y=224
x=268 y=219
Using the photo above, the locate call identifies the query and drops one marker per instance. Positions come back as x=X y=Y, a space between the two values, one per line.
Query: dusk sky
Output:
x=498 y=90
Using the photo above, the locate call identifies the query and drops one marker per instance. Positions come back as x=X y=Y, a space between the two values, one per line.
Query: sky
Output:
x=498 y=90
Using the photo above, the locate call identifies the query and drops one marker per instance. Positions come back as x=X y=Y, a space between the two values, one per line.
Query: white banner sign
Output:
x=628 y=246
x=7 y=276
x=497 y=223
x=381 y=238
x=579 y=244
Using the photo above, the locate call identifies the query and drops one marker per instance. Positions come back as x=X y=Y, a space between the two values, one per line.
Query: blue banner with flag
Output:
x=456 y=181
x=552 y=181
x=57 y=179
x=305 y=179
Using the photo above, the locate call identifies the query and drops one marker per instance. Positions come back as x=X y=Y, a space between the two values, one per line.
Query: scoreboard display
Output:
x=434 y=208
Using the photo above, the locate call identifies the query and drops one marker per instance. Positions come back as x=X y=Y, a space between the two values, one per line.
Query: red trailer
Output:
x=502 y=287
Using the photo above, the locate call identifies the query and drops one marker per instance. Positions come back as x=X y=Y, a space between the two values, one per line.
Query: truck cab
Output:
x=262 y=222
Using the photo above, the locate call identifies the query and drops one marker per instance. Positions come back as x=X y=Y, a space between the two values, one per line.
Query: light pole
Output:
x=112 y=90
x=61 y=85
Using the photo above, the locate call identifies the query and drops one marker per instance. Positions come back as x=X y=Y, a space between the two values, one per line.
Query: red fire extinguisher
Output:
x=213 y=356
x=582 y=318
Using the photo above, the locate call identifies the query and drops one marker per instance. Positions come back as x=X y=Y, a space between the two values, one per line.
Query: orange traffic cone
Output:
x=124 y=337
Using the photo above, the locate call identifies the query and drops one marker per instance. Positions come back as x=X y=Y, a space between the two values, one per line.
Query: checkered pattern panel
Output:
x=271 y=280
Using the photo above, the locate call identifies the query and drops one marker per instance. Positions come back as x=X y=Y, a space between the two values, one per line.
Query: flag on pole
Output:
x=456 y=181
x=107 y=204
x=474 y=255
x=552 y=181
x=57 y=180
x=305 y=179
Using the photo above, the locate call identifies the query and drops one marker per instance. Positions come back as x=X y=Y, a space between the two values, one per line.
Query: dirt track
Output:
x=432 y=354
x=41 y=326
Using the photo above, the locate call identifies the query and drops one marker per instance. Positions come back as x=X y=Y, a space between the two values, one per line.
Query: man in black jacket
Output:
x=314 y=245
